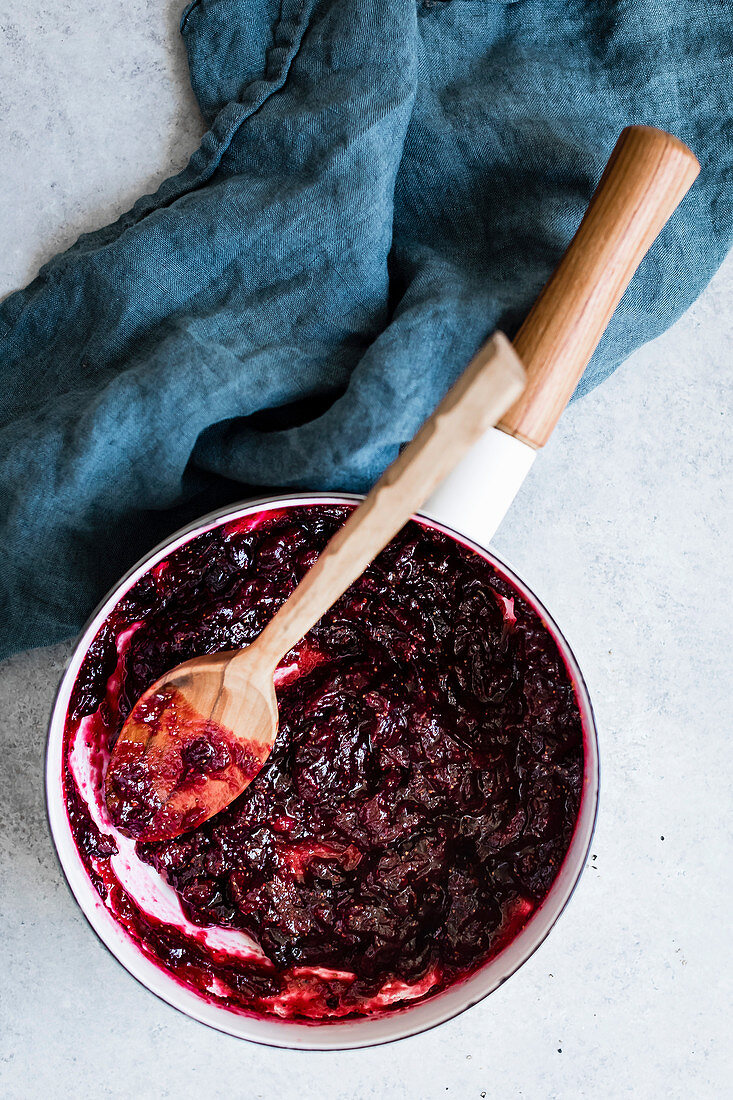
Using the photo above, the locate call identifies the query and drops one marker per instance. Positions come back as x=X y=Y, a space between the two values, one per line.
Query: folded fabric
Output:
x=382 y=184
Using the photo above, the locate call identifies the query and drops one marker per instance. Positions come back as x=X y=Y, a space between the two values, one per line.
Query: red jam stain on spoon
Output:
x=174 y=769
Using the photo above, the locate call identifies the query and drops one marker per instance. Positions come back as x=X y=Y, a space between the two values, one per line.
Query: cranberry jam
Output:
x=419 y=800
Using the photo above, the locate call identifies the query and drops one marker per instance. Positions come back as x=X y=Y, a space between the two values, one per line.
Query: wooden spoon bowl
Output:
x=180 y=758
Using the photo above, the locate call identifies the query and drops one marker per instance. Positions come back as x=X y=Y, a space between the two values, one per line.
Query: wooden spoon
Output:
x=201 y=733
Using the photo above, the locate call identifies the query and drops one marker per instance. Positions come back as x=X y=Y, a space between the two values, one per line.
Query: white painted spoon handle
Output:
x=478 y=493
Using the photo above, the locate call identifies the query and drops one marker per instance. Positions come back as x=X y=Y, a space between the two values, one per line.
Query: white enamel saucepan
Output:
x=647 y=176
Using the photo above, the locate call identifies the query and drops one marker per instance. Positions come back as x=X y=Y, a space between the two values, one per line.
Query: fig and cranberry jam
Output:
x=419 y=800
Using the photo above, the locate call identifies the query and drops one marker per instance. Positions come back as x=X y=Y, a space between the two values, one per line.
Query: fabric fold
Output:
x=382 y=183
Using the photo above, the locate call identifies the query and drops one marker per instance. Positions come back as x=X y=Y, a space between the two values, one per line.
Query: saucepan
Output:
x=648 y=174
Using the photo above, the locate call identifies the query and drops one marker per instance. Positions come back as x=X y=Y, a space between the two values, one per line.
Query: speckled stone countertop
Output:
x=621 y=529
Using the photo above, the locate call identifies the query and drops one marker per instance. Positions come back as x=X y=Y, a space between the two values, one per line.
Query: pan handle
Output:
x=646 y=178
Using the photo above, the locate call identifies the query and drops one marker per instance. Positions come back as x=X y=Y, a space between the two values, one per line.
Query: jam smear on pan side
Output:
x=422 y=792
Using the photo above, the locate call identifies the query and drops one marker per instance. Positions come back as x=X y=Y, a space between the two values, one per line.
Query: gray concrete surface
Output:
x=621 y=528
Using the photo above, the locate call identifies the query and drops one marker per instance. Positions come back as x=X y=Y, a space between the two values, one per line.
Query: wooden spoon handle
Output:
x=648 y=175
x=492 y=381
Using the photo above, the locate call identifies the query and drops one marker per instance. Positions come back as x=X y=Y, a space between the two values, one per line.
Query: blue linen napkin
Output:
x=383 y=183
